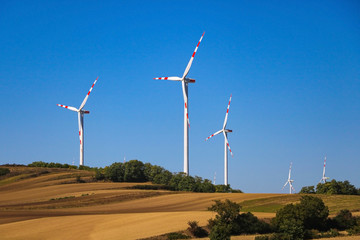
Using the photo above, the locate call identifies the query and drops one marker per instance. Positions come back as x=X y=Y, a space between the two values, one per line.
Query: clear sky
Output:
x=293 y=69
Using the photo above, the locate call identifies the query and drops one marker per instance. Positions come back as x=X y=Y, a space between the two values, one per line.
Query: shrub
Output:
x=313 y=212
x=262 y=237
x=344 y=220
x=296 y=220
x=247 y=223
x=220 y=231
x=176 y=235
x=307 y=190
x=227 y=211
x=4 y=171
x=196 y=230
x=354 y=230
x=99 y=174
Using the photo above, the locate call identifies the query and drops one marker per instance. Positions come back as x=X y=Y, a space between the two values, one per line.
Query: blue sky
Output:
x=293 y=69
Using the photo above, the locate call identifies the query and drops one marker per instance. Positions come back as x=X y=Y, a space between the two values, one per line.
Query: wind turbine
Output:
x=185 y=81
x=225 y=131
x=323 y=179
x=289 y=181
x=81 y=113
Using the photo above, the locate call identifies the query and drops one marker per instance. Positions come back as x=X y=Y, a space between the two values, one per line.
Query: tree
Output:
x=307 y=190
x=115 y=172
x=134 y=171
x=163 y=178
x=227 y=211
x=313 y=212
x=187 y=183
x=336 y=187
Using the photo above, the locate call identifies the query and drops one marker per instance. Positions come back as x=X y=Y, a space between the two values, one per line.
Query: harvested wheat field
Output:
x=39 y=203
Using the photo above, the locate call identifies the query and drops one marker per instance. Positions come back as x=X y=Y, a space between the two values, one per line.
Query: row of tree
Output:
x=332 y=187
x=137 y=171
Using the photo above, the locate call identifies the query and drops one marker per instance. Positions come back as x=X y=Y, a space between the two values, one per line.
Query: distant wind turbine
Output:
x=185 y=81
x=225 y=131
x=323 y=179
x=81 y=113
x=289 y=181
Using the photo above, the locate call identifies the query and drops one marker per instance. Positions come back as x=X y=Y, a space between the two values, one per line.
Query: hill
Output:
x=69 y=203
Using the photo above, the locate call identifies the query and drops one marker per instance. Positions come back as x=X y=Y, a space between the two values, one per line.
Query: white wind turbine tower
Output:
x=185 y=81
x=323 y=179
x=289 y=181
x=81 y=113
x=225 y=131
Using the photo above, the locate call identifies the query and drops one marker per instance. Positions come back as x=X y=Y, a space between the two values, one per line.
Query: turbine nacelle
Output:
x=85 y=111
x=189 y=80
x=227 y=130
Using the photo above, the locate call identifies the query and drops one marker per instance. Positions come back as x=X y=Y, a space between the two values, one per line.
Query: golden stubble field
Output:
x=52 y=205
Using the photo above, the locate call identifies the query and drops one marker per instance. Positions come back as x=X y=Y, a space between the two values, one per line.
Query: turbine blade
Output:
x=290 y=171
x=285 y=185
x=185 y=101
x=87 y=95
x=227 y=113
x=213 y=135
x=227 y=143
x=68 y=107
x=187 y=69
x=169 y=78
x=292 y=187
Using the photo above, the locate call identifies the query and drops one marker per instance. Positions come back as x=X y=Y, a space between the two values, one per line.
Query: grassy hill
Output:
x=45 y=201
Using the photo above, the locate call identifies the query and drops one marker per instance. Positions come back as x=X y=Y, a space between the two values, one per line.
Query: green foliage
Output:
x=337 y=187
x=115 y=172
x=264 y=237
x=196 y=230
x=220 y=231
x=344 y=220
x=313 y=212
x=227 y=211
x=163 y=177
x=176 y=235
x=223 y=188
x=137 y=171
x=354 y=230
x=4 y=171
x=247 y=223
x=54 y=165
x=307 y=190
x=295 y=219
x=228 y=215
x=100 y=174
x=134 y=171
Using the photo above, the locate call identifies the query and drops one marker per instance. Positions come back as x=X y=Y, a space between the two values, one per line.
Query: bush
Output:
x=4 y=171
x=196 y=230
x=220 y=231
x=247 y=223
x=344 y=220
x=296 y=220
x=176 y=235
x=307 y=190
x=262 y=237
x=354 y=230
